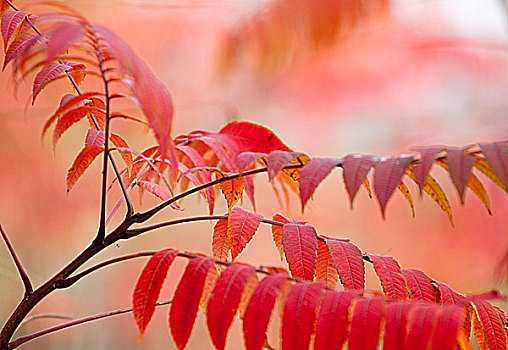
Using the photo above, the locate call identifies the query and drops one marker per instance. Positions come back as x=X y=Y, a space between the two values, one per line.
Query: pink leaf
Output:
x=19 y=46
x=278 y=159
x=246 y=159
x=356 y=168
x=62 y=37
x=312 y=174
x=11 y=21
x=95 y=137
x=496 y=154
x=49 y=73
x=460 y=165
x=422 y=168
x=155 y=189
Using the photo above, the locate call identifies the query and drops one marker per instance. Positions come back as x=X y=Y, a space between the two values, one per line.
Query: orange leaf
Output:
x=118 y=141
x=482 y=165
x=488 y=327
x=278 y=159
x=325 y=269
x=71 y=117
x=422 y=168
x=220 y=240
x=405 y=191
x=231 y=189
x=81 y=163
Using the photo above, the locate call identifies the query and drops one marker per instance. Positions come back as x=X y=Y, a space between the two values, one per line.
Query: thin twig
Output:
x=14 y=344
x=37 y=317
x=21 y=271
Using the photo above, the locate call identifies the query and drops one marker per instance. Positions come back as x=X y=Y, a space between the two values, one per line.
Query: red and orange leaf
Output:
x=482 y=165
x=231 y=189
x=246 y=159
x=299 y=315
x=312 y=174
x=95 y=137
x=63 y=36
x=81 y=163
x=11 y=20
x=155 y=189
x=396 y=316
x=259 y=309
x=277 y=231
x=332 y=321
x=488 y=327
x=77 y=72
x=118 y=141
x=242 y=225
x=220 y=240
x=390 y=275
x=478 y=189
x=300 y=247
x=355 y=170
x=248 y=290
x=221 y=151
x=421 y=324
x=348 y=261
x=50 y=72
x=3 y=7
x=71 y=117
x=365 y=323
x=224 y=302
x=460 y=165
x=278 y=159
x=325 y=269
x=148 y=287
x=496 y=154
x=387 y=176
x=210 y=281
x=419 y=286
x=405 y=192
x=422 y=168
x=449 y=327
x=186 y=300
x=19 y=46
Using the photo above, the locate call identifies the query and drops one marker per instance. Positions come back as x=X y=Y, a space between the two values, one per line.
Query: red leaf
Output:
x=390 y=275
x=258 y=311
x=325 y=269
x=50 y=72
x=356 y=168
x=186 y=300
x=387 y=176
x=300 y=247
x=496 y=154
x=419 y=285
x=155 y=189
x=224 y=302
x=278 y=159
x=348 y=261
x=61 y=38
x=220 y=240
x=396 y=315
x=460 y=165
x=81 y=163
x=71 y=117
x=489 y=325
x=216 y=145
x=312 y=174
x=448 y=295
x=277 y=230
x=11 y=21
x=449 y=323
x=95 y=137
x=149 y=286
x=365 y=324
x=246 y=159
x=242 y=226
x=19 y=46
x=422 y=321
x=332 y=321
x=119 y=142
x=299 y=315
x=422 y=169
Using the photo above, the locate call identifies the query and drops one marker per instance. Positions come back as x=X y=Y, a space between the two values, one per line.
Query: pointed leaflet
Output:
x=186 y=300
x=300 y=247
x=421 y=169
x=155 y=189
x=258 y=311
x=220 y=240
x=246 y=159
x=332 y=321
x=421 y=324
x=365 y=323
x=19 y=46
x=63 y=36
x=419 y=286
x=231 y=189
x=119 y=142
x=396 y=315
x=449 y=327
x=387 y=176
x=148 y=287
x=348 y=261
x=405 y=192
x=325 y=269
x=460 y=165
x=224 y=302
x=210 y=281
x=488 y=327
x=241 y=228
x=355 y=169
x=496 y=154
x=81 y=163
x=278 y=159
x=95 y=137
x=250 y=286
x=277 y=230
x=312 y=174
x=71 y=117
x=482 y=165
x=50 y=72
x=390 y=275
x=299 y=315
x=11 y=20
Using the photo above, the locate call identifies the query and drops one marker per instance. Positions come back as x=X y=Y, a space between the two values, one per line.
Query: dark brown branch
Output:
x=27 y=338
x=21 y=271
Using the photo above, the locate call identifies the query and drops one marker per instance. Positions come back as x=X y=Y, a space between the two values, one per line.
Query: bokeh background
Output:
x=412 y=73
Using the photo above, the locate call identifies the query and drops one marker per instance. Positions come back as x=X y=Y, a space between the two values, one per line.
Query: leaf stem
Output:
x=21 y=271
